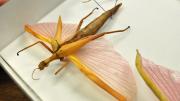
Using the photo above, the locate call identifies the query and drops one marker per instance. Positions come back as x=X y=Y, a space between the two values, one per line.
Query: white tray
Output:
x=154 y=31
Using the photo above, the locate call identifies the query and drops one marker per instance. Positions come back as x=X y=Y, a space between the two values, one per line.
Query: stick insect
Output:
x=91 y=54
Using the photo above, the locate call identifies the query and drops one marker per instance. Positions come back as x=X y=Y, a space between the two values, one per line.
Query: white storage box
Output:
x=154 y=31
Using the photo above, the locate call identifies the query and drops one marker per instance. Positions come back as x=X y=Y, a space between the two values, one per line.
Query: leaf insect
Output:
x=91 y=54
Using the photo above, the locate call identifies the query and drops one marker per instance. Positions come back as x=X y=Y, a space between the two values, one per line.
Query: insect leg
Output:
x=93 y=37
x=81 y=21
x=121 y=30
x=62 y=66
x=35 y=44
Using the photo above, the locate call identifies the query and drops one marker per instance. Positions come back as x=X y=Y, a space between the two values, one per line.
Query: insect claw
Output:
x=33 y=74
x=18 y=52
x=128 y=27
x=94 y=9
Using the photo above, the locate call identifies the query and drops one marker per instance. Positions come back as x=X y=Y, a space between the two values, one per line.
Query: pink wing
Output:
x=166 y=80
x=110 y=67
x=48 y=30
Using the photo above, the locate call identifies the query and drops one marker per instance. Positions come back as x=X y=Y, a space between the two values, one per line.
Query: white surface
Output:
x=154 y=31
x=15 y=13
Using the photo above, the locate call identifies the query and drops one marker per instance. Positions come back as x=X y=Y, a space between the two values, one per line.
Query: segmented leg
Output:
x=104 y=33
x=35 y=44
x=81 y=22
x=62 y=66
x=121 y=30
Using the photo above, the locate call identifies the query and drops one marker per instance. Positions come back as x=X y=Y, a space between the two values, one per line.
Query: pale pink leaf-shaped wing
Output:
x=166 y=80
x=110 y=67
x=48 y=30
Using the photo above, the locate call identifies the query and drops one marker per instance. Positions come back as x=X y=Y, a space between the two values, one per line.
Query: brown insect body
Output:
x=93 y=27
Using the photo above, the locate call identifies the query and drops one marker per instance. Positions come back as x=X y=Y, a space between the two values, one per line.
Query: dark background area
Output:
x=9 y=91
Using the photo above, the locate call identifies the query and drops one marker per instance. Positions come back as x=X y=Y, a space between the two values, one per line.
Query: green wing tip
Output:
x=147 y=79
x=138 y=59
x=137 y=51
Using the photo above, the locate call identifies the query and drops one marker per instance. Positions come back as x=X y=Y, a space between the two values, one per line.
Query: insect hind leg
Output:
x=115 y=31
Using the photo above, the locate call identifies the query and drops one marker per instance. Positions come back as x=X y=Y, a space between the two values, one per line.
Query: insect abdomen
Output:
x=96 y=24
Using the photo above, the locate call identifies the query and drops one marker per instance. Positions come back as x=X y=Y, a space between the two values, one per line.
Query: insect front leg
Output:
x=49 y=49
x=81 y=21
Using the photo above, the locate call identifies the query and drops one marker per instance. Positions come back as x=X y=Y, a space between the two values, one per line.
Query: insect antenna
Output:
x=99 y=5
x=96 y=3
x=33 y=74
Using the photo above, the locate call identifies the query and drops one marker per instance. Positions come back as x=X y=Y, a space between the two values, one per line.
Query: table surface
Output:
x=9 y=90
